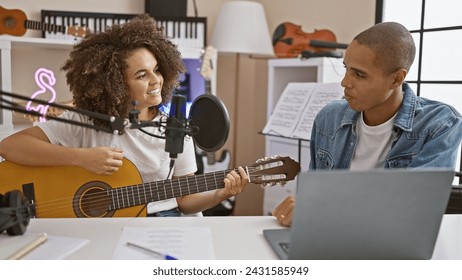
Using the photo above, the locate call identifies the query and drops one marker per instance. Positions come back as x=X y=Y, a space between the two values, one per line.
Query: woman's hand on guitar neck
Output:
x=234 y=184
x=100 y=160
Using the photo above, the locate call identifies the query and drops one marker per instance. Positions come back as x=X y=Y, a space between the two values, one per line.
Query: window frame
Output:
x=421 y=32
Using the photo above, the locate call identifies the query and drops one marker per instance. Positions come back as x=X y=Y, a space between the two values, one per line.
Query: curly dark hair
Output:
x=96 y=66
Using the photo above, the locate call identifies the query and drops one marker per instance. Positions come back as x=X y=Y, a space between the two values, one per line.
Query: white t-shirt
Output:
x=374 y=143
x=146 y=152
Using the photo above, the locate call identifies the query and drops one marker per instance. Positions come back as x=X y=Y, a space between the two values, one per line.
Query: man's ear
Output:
x=398 y=78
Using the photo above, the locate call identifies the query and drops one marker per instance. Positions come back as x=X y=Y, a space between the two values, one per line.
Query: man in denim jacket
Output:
x=380 y=123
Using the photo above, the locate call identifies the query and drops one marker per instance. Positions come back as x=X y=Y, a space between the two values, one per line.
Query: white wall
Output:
x=344 y=17
x=345 y=21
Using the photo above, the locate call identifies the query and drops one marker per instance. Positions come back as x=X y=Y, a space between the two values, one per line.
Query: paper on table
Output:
x=183 y=243
x=55 y=247
x=10 y=245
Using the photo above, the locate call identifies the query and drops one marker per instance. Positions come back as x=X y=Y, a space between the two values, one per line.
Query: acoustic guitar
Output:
x=14 y=22
x=69 y=192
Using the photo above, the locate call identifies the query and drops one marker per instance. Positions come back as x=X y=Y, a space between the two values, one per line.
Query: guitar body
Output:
x=12 y=22
x=57 y=188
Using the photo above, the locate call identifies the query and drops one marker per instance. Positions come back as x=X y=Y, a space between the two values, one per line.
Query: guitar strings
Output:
x=99 y=201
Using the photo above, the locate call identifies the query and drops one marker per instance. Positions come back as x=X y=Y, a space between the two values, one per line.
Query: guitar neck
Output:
x=37 y=25
x=208 y=87
x=130 y=196
x=210 y=158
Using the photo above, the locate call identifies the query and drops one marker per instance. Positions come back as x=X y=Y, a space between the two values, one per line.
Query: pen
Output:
x=166 y=257
x=29 y=247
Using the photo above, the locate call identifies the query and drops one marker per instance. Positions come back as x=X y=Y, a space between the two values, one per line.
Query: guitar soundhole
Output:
x=92 y=201
x=10 y=22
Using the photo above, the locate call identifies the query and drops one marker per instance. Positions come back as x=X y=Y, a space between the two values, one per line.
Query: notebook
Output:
x=380 y=214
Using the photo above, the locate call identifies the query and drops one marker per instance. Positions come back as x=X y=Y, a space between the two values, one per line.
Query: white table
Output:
x=233 y=237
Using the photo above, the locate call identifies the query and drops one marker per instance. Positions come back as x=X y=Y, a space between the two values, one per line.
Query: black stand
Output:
x=117 y=125
x=299 y=140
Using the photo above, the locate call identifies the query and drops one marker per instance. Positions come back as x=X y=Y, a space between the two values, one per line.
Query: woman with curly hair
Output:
x=108 y=72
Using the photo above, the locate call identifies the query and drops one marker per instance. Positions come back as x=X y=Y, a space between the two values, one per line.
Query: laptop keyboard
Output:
x=285 y=246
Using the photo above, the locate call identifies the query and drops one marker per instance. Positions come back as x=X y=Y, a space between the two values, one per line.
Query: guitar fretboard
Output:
x=208 y=87
x=125 y=197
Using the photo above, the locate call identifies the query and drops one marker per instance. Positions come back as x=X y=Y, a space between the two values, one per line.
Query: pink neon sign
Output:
x=45 y=79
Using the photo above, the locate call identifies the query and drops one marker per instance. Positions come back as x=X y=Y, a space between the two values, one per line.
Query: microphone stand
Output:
x=116 y=124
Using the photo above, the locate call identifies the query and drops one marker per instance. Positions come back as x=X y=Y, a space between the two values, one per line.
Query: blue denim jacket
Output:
x=426 y=133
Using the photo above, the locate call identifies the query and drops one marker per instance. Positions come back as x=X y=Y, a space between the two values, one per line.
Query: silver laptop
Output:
x=380 y=214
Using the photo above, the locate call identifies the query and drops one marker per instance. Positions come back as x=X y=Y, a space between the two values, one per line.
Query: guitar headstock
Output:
x=274 y=170
x=78 y=31
x=207 y=67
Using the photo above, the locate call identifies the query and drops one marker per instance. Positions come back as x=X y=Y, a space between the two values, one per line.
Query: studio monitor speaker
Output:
x=166 y=8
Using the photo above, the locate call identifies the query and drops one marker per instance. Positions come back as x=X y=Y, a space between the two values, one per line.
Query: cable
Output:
x=151 y=134
x=144 y=207
x=172 y=164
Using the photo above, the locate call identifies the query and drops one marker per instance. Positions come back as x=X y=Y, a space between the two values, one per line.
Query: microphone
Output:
x=175 y=130
x=208 y=124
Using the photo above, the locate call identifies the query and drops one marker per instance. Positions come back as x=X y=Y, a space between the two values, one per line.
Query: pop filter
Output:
x=209 y=114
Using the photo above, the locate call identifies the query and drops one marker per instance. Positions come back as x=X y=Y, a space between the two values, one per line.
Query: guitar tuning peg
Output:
x=270 y=184
x=262 y=159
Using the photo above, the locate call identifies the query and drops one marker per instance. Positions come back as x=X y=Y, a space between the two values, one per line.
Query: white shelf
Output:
x=280 y=73
x=9 y=42
x=6 y=40
x=38 y=42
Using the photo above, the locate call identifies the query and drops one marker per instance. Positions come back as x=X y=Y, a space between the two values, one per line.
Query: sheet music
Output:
x=183 y=243
x=322 y=94
x=298 y=105
x=289 y=108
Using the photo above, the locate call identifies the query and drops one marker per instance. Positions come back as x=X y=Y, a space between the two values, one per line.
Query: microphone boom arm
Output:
x=117 y=124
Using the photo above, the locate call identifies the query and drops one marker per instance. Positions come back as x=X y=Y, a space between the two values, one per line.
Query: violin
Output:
x=289 y=40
